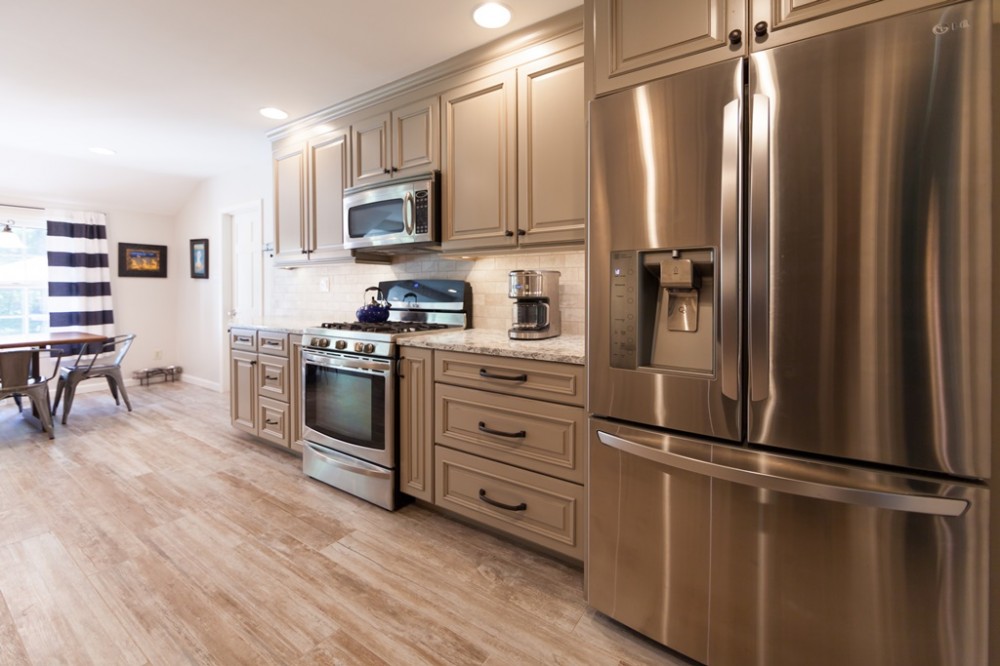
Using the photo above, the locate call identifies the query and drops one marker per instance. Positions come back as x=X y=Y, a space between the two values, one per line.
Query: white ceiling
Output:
x=174 y=87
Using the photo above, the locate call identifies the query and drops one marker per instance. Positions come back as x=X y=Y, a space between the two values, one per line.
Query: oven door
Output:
x=348 y=405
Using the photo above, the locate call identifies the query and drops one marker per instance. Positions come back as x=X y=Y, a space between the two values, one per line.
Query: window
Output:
x=24 y=275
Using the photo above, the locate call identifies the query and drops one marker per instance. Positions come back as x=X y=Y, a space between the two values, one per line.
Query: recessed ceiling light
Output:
x=273 y=113
x=98 y=150
x=491 y=15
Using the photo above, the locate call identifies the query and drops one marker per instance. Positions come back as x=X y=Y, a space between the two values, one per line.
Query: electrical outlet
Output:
x=157 y=355
x=324 y=284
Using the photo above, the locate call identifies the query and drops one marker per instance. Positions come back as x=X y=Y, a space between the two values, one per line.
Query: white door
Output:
x=246 y=264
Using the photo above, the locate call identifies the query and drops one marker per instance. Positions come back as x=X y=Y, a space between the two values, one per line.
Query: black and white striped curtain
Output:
x=79 y=277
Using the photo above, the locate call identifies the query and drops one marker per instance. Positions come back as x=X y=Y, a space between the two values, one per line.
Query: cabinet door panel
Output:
x=481 y=170
x=640 y=40
x=370 y=162
x=552 y=156
x=416 y=390
x=329 y=171
x=243 y=391
x=416 y=138
x=289 y=182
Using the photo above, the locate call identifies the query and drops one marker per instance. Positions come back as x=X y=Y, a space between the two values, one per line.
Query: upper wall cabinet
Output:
x=639 y=40
x=552 y=154
x=403 y=141
x=480 y=167
x=310 y=178
x=515 y=157
x=635 y=41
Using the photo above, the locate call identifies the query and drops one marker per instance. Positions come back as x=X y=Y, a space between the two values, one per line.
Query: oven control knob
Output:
x=359 y=346
x=341 y=344
x=324 y=343
x=369 y=348
x=314 y=342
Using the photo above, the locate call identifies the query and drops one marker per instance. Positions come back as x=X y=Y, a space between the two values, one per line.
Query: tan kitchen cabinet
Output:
x=635 y=41
x=416 y=423
x=508 y=453
x=479 y=170
x=262 y=402
x=515 y=157
x=309 y=181
x=401 y=142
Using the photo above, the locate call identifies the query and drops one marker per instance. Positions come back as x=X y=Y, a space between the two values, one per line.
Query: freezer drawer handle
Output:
x=500 y=505
x=486 y=374
x=501 y=433
x=941 y=506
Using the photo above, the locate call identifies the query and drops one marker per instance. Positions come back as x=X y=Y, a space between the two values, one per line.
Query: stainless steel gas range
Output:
x=349 y=387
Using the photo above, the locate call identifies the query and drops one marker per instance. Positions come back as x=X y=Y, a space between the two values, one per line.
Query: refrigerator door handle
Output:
x=940 y=506
x=730 y=252
x=760 y=192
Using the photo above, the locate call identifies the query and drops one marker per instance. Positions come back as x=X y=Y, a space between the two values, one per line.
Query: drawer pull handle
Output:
x=272 y=343
x=486 y=374
x=271 y=378
x=270 y=422
x=501 y=433
x=500 y=505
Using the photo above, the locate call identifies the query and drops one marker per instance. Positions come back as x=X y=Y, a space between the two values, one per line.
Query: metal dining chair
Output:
x=95 y=359
x=20 y=376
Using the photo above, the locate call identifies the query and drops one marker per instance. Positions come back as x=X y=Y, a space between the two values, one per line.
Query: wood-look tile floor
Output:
x=164 y=536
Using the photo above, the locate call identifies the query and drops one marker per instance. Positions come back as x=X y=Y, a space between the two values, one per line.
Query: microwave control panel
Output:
x=421 y=212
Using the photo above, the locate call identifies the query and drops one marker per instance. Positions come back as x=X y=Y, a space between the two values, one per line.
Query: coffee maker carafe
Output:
x=535 y=313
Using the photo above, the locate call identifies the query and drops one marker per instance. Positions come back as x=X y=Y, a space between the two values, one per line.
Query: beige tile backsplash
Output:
x=297 y=292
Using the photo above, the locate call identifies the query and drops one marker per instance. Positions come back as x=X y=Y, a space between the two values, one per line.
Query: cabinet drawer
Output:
x=272 y=419
x=558 y=382
x=538 y=436
x=540 y=509
x=272 y=380
x=243 y=339
x=272 y=343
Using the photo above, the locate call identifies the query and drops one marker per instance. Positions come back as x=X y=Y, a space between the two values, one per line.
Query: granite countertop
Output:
x=561 y=349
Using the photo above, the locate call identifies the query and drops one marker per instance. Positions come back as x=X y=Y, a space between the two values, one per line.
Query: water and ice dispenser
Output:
x=663 y=310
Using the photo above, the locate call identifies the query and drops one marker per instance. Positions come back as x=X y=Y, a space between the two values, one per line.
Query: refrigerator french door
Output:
x=791 y=291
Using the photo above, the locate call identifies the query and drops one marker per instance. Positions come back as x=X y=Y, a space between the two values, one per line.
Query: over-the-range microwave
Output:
x=400 y=214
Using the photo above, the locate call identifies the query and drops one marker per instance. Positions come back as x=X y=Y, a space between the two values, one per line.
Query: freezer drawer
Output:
x=775 y=561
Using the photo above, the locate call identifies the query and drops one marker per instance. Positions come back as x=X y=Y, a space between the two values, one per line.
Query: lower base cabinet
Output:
x=263 y=385
x=508 y=446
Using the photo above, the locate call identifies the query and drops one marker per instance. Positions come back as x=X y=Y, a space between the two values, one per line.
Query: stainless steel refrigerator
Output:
x=790 y=350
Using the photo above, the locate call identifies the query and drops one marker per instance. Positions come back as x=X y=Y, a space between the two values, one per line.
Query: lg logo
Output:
x=944 y=28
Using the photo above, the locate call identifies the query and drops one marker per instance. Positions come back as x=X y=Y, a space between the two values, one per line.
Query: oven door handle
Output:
x=385 y=367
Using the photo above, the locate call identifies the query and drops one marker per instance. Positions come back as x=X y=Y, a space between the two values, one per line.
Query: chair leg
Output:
x=40 y=400
x=59 y=391
x=71 y=383
x=116 y=376
x=17 y=400
x=114 y=389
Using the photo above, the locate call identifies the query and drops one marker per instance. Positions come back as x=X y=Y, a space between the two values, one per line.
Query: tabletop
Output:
x=48 y=339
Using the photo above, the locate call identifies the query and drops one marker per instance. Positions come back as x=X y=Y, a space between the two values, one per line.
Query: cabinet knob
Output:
x=760 y=28
x=395 y=169
x=735 y=37
x=508 y=233
x=521 y=232
x=386 y=171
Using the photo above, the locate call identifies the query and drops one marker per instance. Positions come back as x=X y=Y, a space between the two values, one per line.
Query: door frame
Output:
x=226 y=220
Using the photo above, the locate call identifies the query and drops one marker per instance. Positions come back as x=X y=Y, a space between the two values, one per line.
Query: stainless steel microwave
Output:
x=397 y=213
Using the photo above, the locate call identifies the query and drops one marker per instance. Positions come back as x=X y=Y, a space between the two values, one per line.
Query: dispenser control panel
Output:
x=624 y=324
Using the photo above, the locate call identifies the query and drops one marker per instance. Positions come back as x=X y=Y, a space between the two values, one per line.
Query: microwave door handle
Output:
x=408 y=213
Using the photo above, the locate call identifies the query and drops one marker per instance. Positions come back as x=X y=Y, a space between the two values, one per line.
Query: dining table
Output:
x=39 y=341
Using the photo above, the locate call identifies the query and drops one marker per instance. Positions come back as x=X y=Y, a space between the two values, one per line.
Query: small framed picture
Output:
x=135 y=260
x=199 y=258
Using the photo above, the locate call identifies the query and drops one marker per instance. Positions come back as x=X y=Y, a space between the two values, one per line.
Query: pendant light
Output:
x=8 y=239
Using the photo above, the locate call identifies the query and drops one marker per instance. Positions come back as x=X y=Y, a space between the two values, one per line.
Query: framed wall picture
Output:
x=135 y=260
x=199 y=258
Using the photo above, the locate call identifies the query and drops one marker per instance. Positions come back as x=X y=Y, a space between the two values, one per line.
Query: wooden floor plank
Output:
x=165 y=536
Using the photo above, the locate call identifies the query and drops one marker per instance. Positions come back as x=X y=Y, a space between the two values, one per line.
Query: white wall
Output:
x=198 y=304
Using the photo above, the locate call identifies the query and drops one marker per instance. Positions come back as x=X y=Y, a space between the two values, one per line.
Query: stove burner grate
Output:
x=384 y=327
